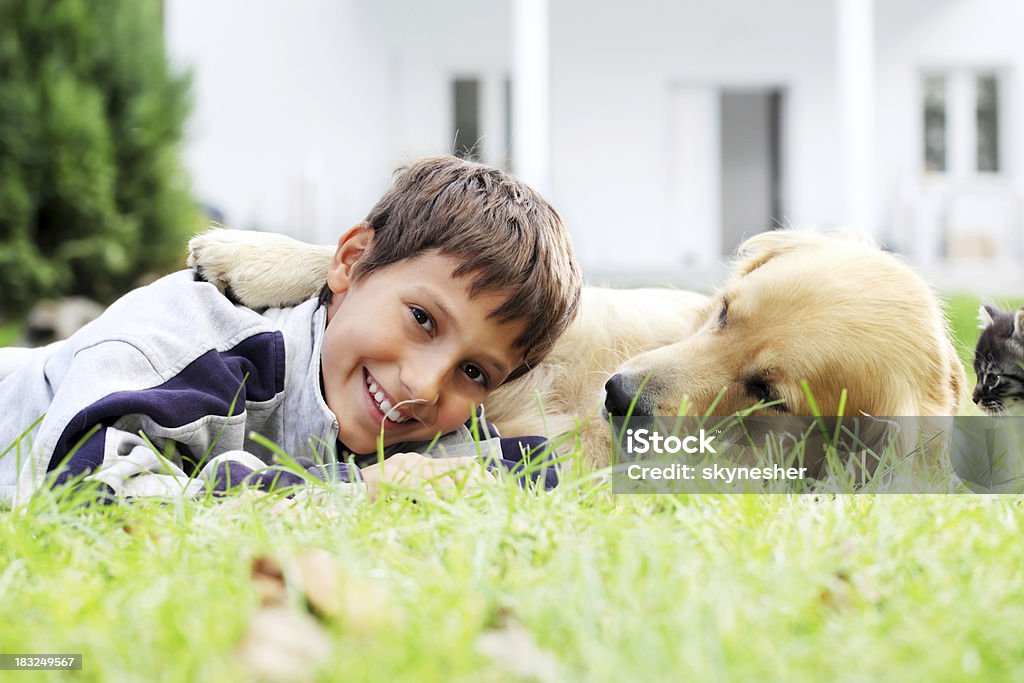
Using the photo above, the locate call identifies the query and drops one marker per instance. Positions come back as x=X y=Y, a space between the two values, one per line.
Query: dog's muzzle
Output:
x=619 y=392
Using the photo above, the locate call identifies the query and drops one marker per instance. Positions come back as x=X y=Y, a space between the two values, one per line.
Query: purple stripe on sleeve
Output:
x=253 y=370
x=528 y=455
x=86 y=459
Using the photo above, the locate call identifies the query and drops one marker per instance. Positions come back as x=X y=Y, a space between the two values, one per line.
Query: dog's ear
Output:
x=763 y=247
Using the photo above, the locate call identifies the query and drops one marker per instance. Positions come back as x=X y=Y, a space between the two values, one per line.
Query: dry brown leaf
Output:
x=361 y=605
x=283 y=644
x=514 y=648
x=144 y=533
x=844 y=591
x=836 y=593
x=268 y=577
x=320 y=573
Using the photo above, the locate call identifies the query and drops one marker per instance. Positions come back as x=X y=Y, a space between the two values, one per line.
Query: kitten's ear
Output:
x=1018 y=325
x=986 y=316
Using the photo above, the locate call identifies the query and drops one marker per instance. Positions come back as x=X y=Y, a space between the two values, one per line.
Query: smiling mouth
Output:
x=382 y=401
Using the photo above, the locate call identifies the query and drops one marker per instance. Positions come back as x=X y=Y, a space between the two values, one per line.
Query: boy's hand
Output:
x=439 y=476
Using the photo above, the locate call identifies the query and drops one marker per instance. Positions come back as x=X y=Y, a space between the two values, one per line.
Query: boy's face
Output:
x=408 y=331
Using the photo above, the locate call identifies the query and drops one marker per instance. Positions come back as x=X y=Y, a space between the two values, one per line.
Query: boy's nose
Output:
x=425 y=378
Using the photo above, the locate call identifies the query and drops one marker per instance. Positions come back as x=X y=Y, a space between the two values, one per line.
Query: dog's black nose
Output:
x=619 y=392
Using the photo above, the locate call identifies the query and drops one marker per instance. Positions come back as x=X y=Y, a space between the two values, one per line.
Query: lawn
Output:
x=9 y=331
x=512 y=585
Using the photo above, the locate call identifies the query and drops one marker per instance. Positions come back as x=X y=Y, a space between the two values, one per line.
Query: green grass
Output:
x=9 y=331
x=638 y=588
x=614 y=588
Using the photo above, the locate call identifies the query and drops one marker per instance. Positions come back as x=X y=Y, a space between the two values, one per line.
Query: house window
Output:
x=961 y=122
x=986 y=109
x=466 y=116
x=934 y=123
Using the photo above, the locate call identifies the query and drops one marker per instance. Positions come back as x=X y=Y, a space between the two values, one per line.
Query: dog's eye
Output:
x=723 y=315
x=765 y=393
x=759 y=389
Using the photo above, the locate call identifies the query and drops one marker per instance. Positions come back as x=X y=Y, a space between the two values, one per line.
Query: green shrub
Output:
x=92 y=192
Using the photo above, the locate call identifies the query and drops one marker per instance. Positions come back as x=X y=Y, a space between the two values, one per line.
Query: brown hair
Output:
x=507 y=237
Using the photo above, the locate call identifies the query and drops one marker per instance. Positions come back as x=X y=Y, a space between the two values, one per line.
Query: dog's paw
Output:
x=257 y=269
x=213 y=255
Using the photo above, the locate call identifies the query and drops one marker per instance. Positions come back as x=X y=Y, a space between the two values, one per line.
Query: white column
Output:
x=530 y=91
x=695 y=176
x=492 y=120
x=856 y=84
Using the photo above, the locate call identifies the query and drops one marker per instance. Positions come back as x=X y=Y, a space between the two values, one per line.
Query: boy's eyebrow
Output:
x=439 y=302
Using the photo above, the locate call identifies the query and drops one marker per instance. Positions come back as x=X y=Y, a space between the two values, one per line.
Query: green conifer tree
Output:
x=92 y=191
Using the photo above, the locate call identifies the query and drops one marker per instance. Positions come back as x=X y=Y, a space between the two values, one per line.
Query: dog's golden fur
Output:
x=835 y=312
x=839 y=314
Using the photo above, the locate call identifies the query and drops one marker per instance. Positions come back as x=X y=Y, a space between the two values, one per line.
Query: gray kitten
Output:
x=999 y=362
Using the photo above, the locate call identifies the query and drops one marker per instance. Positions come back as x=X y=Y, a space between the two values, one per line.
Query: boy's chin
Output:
x=362 y=445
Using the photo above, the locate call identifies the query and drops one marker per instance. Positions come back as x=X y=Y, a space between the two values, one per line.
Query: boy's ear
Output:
x=351 y=247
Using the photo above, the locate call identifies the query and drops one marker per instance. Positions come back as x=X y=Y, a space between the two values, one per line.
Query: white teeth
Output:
x=383 y=403
x=390 y=412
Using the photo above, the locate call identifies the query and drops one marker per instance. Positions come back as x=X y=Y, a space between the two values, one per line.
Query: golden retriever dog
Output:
x=835 y=315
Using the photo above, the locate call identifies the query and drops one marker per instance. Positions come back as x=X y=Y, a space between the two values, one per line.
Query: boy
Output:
x=460 y=279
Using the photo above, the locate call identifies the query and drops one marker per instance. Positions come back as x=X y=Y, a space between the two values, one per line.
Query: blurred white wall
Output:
x=304 y=108
x=284 y=115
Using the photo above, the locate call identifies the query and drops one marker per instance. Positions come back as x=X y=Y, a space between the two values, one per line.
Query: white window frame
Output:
x=961 y=124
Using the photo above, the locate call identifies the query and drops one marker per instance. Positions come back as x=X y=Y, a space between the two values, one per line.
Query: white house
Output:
x=662 y=131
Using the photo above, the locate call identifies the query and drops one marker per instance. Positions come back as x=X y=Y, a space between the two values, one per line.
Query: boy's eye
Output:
x=476 y=374
x=422 y=318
